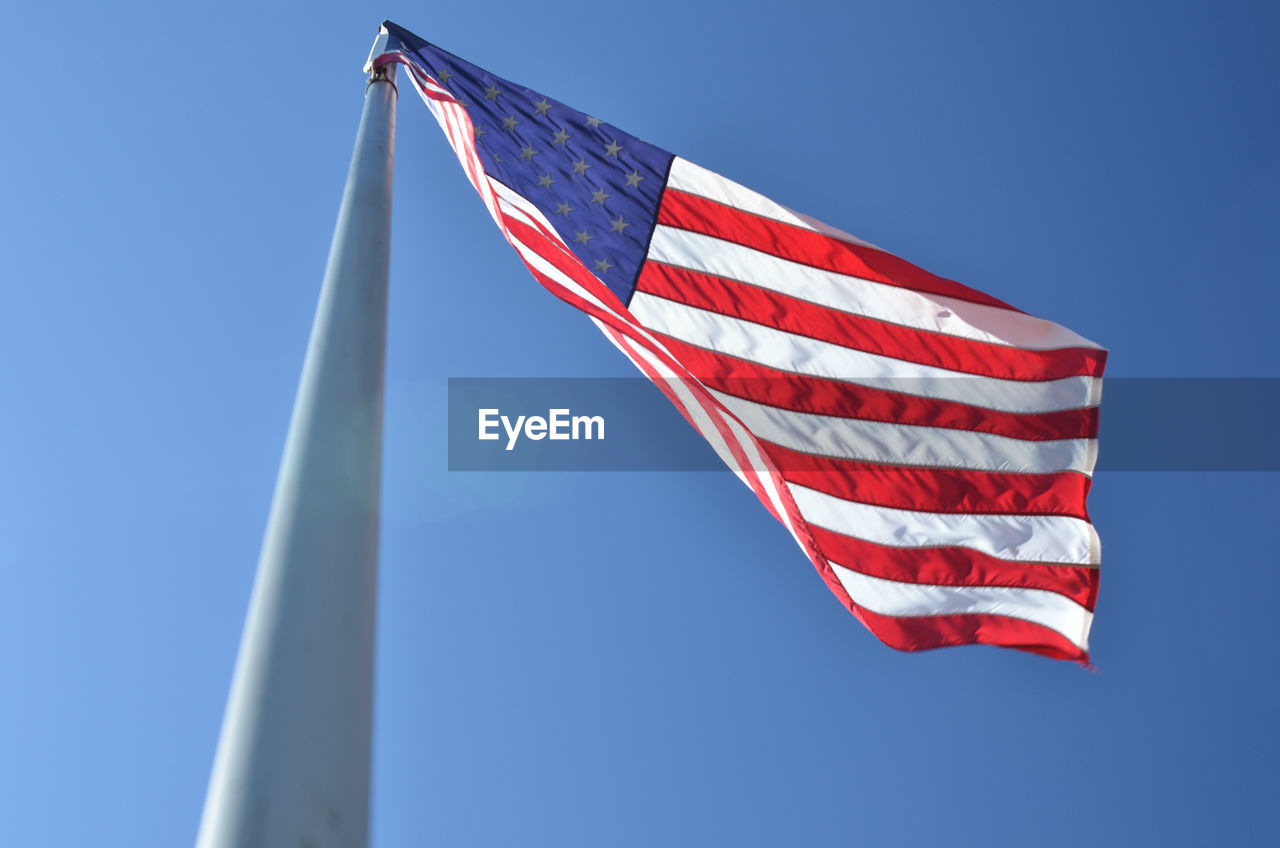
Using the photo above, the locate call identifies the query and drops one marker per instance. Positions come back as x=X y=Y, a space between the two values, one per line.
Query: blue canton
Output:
x=597 y=185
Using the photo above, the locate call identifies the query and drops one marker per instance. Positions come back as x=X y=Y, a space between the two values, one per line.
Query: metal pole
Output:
x=292 y=766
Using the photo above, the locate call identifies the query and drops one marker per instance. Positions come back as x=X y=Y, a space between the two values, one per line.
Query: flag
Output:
x=929 y=447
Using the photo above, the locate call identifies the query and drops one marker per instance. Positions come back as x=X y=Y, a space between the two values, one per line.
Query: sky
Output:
x=620 y=658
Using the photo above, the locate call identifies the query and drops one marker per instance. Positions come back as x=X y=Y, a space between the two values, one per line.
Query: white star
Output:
x=618 y=225
x=633 y=179
x=561 y=137
x=581 y=166
x=509 y=122
x=594 y=123
x=528 y=152
x=583 y=237
x=545 y=181
x=541 y=108
x=564 y=209
x=600 y=196
x=491 y=93
x=603 y=266
x=444 y=76
x=481 y=130
x=613 y=149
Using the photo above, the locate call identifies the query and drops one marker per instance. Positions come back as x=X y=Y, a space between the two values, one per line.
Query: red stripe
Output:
x=700 y=215
x=822 y=396
x=941 y=631
x=957 y=566
x=773 y=309
x=941 y=490
x=552 y=247
x=554 y=252
x=922 y=633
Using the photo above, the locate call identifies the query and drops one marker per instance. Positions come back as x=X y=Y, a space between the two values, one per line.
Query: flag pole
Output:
x=292 y=764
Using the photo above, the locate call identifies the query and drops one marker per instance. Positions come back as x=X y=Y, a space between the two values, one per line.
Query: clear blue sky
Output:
x=620 y=659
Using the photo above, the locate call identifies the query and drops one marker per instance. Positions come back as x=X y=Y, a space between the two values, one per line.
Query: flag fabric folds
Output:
x=928 y=446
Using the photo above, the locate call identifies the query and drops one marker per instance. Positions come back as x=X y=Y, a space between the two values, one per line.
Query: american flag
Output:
x=929 y=447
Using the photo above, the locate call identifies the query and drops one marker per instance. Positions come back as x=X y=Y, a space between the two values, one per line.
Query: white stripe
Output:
x=522 y=214
x=425 y=79
x=813 y=357
x=517 y=207
x=514 y=202
x=697 y=414
x=1017 y=538
x=462 y=137
x=772 y=485
x=909 y=444
x=695 y=179
x=545 y=267
x=515 y=213
x=700 y=412
x=930 y=312
x=889 y=597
